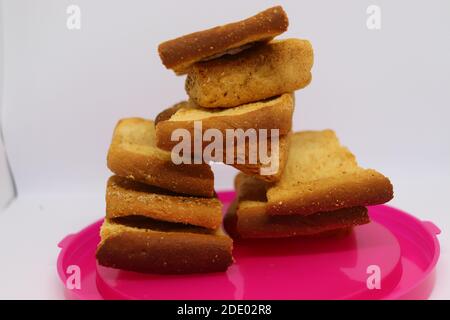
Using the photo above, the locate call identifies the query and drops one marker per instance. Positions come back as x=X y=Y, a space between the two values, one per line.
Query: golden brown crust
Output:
x=247 y=216
x=364 y=188
x=255 y=169
x=254 y=222
x=265 y=71
x=282 y=107
x=230 y=221
x=179 y=54
x=125 y=197
x=149 y=251
x=321 y=175
x=250 y=189
x=271 y=114
x=133 y=154
x=168 y=113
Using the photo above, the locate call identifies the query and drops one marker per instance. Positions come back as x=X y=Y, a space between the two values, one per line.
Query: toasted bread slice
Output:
x=144 y=245
x=321 y=175
x=247 y=216
x=133 y=154
x=125 y=197
x=265 y=71
x=275 y=113
x=270 y=172
x=271 y=114
x=179 y=54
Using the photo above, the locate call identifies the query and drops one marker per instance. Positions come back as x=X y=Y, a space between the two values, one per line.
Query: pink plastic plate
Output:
x=393 y=257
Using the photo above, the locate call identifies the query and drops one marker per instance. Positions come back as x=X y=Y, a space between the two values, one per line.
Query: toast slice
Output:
x=270 y=171
x=133 y=154
x=148 y=246
x=271 y=114
x=264 y=71
x=247 y=217
x=126 y=197
x=275 y=113
x=179 y=54
x=321 y=175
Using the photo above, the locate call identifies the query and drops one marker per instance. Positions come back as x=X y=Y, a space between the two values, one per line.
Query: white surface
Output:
x=385 y=93
x=6 y=186
x=33 y=225
x=30 y=230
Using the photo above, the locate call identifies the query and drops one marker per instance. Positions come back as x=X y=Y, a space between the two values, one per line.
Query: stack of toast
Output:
x=163 y=216
x=160 y=217
x=238 y=78
x=322 y=191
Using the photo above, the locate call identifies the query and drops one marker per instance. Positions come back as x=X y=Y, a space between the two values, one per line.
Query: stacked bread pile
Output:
x=160 y=217
x=163 y=217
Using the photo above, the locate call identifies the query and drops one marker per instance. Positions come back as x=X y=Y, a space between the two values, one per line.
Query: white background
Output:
x=386 y=93
x=6 y=186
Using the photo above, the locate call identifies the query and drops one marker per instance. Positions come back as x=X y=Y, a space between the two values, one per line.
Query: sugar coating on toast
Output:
x=133 y=154
x=142 y=246
x=247 y=217
x=126 y=198
x=180 y=53
x=264 y=71
x=322 y=175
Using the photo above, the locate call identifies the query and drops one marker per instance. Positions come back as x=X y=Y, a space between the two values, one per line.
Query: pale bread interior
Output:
x=190 y=112
x=232 y=50
x=137 y=132
x=316 y=155
x=138 y=136
x=138 y=224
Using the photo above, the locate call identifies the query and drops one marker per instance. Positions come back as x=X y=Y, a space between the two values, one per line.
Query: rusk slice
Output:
x=125 y=197
x=271 y=114
x=321 y=175
x=247 y=217
x=264 y=71
x=257 y=170
x=144 y=245
x=133 y=154
x=275 y=113
x=179 y=54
